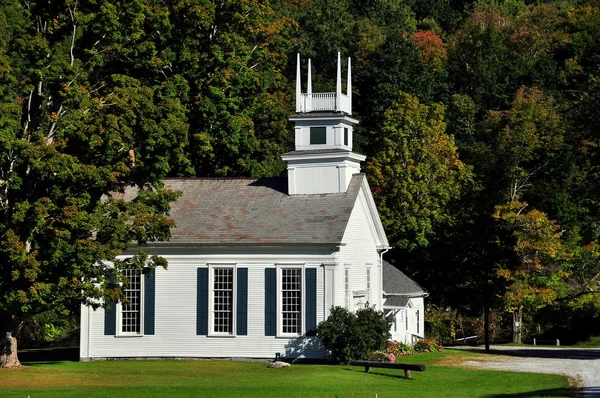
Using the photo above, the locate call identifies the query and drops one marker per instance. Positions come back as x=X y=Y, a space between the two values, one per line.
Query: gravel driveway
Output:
x=583 y=364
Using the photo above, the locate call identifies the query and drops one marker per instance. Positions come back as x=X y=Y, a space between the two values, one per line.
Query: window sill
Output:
x=127 y=336
x=228 y=336
x=288 y=336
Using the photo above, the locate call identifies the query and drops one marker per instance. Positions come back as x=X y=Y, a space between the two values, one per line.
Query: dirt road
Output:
x=582 y=364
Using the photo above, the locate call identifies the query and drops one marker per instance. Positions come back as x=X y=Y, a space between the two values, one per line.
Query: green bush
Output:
x=351 y=336
x=428 y=346
x=399 y=349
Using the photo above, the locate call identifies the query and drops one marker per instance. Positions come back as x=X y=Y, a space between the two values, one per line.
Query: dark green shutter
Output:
x=110 y=318
x=149 y=302
x=202 y=302
x=242 y=302
x=110 y=315
x=270 y=301
x=311 y=301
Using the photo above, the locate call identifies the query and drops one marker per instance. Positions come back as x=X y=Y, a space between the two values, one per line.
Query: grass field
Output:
x=242 y=379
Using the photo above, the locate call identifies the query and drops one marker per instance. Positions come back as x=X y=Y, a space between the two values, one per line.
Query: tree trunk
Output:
x=486 y=326
x=8 y=354
x=517 y=320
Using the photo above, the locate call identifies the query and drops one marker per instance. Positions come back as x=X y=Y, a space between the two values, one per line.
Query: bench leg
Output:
x=367 y=368
x=407 y=373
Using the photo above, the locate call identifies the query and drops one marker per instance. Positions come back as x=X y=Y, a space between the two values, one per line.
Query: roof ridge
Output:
x=222 y=178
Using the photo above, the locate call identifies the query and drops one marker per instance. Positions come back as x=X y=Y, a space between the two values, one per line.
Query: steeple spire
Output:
x=298 y=86
x=349 y=84
x=323 y=161
x=323 y=102
x=338 y=85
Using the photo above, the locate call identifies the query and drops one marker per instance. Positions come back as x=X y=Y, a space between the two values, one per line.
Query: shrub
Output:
x=351 y=336
x=382 y=356
x=426 y=345
x=399 y=349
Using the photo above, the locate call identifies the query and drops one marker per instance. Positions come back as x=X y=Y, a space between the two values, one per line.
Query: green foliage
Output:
x=54 y=328
x=445 y=324
x=426 y=345
x=80 y=121
x=351 y=336
x=417 y=173
x=539 y=278
x=382 y=356
x=399 y=349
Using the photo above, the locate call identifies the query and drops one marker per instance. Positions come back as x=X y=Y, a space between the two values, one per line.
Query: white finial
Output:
x=298 y=86
x=349 y=85
x=309 y=98
x=309 y=88
x=338 y=87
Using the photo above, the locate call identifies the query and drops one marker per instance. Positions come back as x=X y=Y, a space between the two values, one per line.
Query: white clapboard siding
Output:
x=175 y=319
x=358 y=251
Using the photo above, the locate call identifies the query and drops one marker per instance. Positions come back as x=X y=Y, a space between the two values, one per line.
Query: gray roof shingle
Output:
x=396 y=301
x=255 y=211
x=397 y=283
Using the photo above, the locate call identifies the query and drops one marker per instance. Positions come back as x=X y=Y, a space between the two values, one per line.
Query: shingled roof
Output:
x=398 y=287
x=256 y=211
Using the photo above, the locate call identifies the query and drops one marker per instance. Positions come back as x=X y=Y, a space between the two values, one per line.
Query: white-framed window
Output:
x=291 y=300
x=131 y=314
x=418 y=320
x=368 y=284
x=222 y=300
x=406 y=318
x=347 y=287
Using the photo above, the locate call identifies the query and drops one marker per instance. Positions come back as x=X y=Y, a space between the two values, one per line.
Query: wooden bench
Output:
x=375 y=364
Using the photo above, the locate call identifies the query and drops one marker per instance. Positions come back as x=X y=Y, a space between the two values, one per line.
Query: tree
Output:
x=231 y=55
x=539 y=277
x=83 y=115
x=416 y=173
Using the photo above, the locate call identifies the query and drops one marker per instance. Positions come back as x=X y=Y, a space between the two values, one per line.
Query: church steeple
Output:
x=323 y=161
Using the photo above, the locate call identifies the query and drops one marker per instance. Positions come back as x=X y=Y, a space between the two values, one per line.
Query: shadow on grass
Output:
x=376 y=373
x=48 y=355
x=40 y=363
x=554 y=392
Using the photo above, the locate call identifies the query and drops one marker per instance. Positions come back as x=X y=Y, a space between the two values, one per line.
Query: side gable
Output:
x=375 y=225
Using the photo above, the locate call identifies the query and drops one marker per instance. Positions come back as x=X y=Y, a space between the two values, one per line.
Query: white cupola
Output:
x=323 y=161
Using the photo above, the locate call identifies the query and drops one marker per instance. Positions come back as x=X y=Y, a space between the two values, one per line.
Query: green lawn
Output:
x=239 y=379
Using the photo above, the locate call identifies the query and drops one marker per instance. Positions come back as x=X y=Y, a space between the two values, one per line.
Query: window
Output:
x=291 y=300
x=347 y=286
x=223 y=300
x=368 y=285
x=318 y=135
x=131 y=308
x=417 y=318
x=135 y=315
x=346 y=136
x=406 y=318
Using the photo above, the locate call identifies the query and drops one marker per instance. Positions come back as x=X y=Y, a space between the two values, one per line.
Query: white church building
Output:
x=256 y=264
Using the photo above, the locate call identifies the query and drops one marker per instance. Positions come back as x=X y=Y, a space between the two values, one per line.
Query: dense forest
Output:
x=480 y=121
